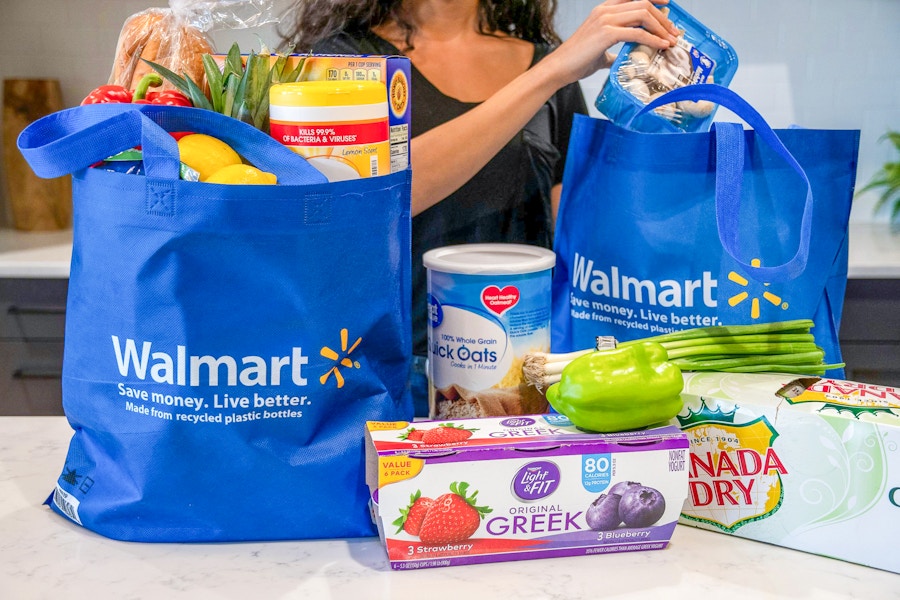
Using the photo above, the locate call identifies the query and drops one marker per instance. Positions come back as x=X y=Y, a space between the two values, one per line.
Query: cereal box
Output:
x=393 y=71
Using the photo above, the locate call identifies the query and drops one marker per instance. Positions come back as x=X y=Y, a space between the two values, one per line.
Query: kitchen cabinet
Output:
x=32 y=325
x=34 y=271
x=870 y=325
x=870 y=331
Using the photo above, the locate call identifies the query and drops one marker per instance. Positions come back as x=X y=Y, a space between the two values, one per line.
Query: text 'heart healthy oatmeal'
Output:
x=489 y=305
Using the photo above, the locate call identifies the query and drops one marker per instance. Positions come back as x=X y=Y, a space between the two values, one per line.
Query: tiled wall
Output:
x=815 y=63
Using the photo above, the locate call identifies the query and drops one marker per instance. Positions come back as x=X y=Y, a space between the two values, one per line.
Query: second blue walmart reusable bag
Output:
x=659 y=232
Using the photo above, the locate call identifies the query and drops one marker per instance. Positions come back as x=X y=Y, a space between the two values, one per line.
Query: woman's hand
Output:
x=475 y=137
x=609 y=23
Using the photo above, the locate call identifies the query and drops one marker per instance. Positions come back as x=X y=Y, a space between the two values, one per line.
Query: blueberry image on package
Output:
x=627 y=502
x=641 y=506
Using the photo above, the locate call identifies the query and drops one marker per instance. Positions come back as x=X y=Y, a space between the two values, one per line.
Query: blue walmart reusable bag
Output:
x=659 y=232
x=225 y=344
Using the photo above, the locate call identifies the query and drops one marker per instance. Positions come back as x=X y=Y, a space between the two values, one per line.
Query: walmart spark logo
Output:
x=755 y=301
x=341 y=359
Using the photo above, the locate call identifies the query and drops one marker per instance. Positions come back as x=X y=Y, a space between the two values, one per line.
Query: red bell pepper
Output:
x=108 y=93
x=167 y=97
x=120 y=95
x=141 y=95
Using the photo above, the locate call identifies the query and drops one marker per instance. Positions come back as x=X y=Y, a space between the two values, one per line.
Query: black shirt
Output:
x=507 y=201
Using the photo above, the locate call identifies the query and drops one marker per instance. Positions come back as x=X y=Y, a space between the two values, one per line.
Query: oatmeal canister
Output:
x=341 y=127
x=489 y=305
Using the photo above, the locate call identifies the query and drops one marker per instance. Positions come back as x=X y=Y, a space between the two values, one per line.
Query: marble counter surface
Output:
x=43 y=555
x=35 y=254
x=874 y=253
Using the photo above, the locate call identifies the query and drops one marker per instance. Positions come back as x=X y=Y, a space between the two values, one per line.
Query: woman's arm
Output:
x=478 y=135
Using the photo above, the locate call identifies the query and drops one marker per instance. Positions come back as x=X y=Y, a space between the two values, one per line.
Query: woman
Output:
x=493 y=92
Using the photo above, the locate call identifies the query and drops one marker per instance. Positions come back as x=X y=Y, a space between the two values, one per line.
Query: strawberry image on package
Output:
x=520 y=487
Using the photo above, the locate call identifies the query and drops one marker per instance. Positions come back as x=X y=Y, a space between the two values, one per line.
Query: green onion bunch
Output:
x=781 y=347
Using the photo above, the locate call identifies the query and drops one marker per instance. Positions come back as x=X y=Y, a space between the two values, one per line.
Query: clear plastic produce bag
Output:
x=177 y=37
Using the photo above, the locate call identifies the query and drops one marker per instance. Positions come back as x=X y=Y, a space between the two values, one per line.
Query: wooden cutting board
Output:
x=35 y=204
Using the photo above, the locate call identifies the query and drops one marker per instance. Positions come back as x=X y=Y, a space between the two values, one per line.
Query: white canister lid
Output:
x=490 y=259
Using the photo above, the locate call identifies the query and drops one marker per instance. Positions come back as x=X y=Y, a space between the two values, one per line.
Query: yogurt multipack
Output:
x=520 y=487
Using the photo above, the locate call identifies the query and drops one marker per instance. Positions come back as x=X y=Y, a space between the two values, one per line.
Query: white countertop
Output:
x=874 y=253
x=43 y=555
x=35 y=254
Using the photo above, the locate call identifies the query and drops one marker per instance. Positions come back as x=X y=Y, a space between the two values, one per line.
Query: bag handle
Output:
x=729 y=174
x=73 y=139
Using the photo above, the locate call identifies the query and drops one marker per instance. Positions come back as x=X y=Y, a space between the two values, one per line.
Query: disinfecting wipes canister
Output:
x=489 y=305
x=340 y=127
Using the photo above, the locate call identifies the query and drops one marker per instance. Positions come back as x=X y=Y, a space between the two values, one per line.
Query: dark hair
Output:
x=310 y=21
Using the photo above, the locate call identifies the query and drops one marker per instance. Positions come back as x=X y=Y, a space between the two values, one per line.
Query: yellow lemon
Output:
x=206 y=154
x=242 y=174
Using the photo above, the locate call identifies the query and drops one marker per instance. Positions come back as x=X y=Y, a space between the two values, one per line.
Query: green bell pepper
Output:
x=619 y=389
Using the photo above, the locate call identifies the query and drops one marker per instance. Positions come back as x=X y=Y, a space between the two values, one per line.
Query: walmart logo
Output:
x=341 y=359
x=742 y=296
